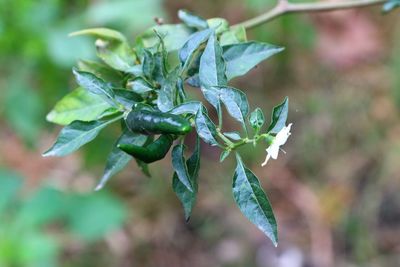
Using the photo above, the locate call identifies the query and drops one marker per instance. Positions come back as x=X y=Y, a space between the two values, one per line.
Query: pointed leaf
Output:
x=102 y=71
x=187 y=197
x=178 y=162
x=253 y=202
x=212 y=64
x=235 y=102
x=94 y=85
x=233 y=135
x=174 y=36
x=75 y=135
x=205 y=127
x=192 y=44
x=192 y=20
x=140 y=85
x=167 y=95
x=190 y=107
x=242 y=57
x=118 y=159
x=79 y=105
x=127 y=98
x=279 y=117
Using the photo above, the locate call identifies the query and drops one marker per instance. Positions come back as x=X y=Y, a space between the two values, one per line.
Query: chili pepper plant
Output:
x=144 y=87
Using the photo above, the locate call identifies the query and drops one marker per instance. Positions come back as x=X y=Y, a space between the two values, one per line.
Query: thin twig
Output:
x=285 y=7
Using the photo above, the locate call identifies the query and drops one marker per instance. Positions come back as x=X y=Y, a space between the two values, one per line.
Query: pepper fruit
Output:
x=155 y=122
x=152 y=152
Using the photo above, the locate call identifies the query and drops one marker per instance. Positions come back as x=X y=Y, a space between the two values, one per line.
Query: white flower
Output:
x=279 y=140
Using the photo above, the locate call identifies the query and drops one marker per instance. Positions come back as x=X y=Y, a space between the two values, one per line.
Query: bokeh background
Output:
x=335 y=193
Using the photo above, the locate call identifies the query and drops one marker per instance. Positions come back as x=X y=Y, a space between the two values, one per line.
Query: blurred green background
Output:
x=335 y=193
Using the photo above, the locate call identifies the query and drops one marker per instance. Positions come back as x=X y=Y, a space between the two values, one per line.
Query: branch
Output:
x=284 y=7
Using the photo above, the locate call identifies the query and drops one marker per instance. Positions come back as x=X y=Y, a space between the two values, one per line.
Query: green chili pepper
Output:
x=155 y=122
x=152 y=152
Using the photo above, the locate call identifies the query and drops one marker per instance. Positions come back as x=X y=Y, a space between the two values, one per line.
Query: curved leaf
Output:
x=94 y=85
x=78 y=105
x=190 y=107
x=242 y=57
x=279 y=117
x=174 y=36
x=192 y=20
x=75 y=135
x=205 y=127
x=118 y=159
x=253 y=202
x=212 y=64
x=180 y=167
x=235 y=102
x=187 y=197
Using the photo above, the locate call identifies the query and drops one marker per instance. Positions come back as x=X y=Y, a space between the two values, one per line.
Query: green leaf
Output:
x=212 y=65
x=174 y=36
x=75 y=135
x=257 y=119
x=94 y=85
x=103 y=33
x=187 y=197
x=79 y=105
x=192 y=20
x=180 y=167
x=190 y=107
x=112 y=47
x=102 y=71
x=127 y=98
x=279 y=117
x=168 y=93
x=233 y=135
x=253 y=202
x=190 y=51
x=118 y=159
x=212 y=71
x=148 y=63
x=220 y=25
x=233 y=36
x=224 y=155
x=390 y=5
x=235 y=102
x=242 y=57
x=205 y=127
x=140 y=85
x=117 y=55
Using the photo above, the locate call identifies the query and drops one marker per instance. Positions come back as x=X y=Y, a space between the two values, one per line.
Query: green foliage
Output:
x=81 y=105
x=252 y=201
x=242 y=57
x=145 y=86
x=23 y=221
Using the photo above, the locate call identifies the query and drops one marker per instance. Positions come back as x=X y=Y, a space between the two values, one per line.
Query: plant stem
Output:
x=285 y=7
